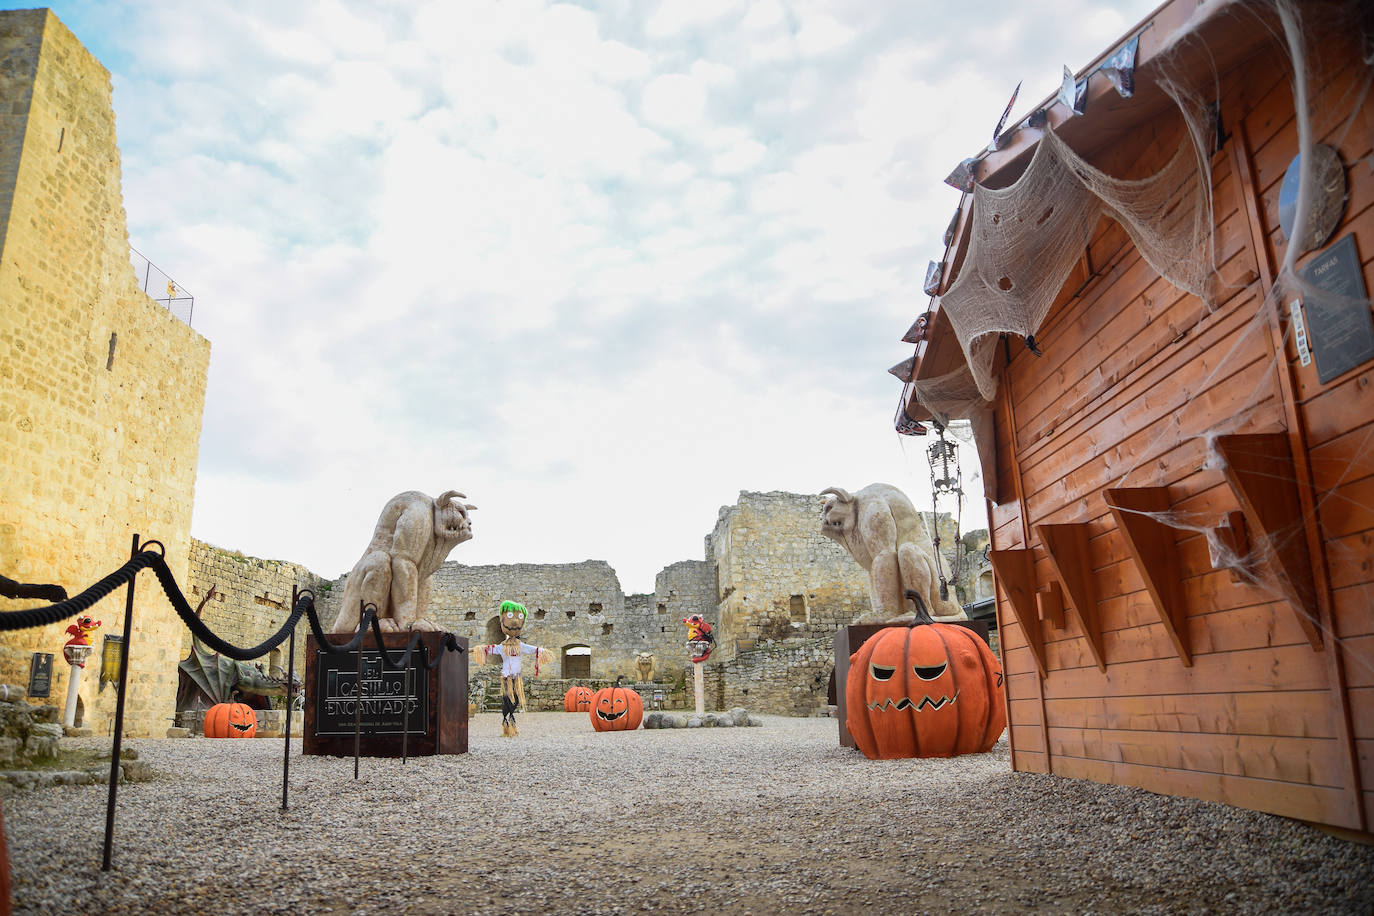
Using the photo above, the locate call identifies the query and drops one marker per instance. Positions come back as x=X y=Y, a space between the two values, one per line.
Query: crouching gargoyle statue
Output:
x=883 y=532
x=413 y=537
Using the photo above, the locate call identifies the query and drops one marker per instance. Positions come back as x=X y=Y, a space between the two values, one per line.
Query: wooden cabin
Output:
x=1181 y=484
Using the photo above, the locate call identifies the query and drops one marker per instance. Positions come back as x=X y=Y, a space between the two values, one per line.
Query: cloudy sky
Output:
x=598 y=265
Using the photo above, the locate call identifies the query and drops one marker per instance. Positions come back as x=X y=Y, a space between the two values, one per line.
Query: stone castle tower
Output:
x=101 y=388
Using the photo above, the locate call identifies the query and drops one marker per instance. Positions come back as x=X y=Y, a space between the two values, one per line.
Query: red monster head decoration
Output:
x=928 y=690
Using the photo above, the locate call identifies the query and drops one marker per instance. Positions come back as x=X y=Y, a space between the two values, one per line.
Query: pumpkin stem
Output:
x=618 y=679
x=922 y=613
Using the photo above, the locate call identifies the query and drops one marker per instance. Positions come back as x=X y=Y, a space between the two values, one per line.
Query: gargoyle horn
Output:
x=443 y=500
x=842 y=495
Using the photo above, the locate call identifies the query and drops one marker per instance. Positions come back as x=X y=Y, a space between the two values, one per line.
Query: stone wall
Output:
x=778 y=577
x=101 y=388
x=786 y=678
x=545 y=694
x=777 y=588
x=570 y=605
x=252 y=599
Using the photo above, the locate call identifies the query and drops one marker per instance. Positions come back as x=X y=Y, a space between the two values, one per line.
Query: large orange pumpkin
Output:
x=928 y=690
x=231 y=720
x=616 y=709
x=577 y=699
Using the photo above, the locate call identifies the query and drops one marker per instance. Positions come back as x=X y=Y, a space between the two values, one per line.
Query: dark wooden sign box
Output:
x=419 y=710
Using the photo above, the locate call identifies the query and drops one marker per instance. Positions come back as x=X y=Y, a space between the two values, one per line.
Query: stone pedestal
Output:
x=847 y=642
x=428 y=707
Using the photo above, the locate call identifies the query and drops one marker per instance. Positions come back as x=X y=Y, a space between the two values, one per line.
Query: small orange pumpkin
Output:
x=231 y=720
x=928 y=690
x=616 y=709
x=577 y=699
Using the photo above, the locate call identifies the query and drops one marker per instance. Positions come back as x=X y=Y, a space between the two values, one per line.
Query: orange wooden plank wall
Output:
x=1134 y=375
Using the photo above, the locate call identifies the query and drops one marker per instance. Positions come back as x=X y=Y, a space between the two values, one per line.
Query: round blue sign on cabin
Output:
x=1328 y=196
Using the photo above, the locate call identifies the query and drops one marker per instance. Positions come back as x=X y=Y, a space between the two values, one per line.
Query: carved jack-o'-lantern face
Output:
x=616 y=709
x=578 y=699
x=230 y=720
x=929 y=690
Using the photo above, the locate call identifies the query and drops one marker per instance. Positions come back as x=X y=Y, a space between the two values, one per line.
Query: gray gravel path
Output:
x=744 y=820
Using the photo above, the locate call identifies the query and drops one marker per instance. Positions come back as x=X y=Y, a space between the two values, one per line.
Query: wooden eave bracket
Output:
x=1259 y=468
x=1232 y=547
x=1154 y=551
x=1067 y=546
x=1015 y=570
x=1049 y=601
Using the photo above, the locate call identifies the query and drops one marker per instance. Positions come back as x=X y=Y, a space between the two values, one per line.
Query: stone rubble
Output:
x=566 y=820
x=737 y=716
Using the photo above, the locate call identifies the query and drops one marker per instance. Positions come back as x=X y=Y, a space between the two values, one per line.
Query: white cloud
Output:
x=739 y=158
x=677 y=16
x=821 y=34
x=553 y=255
x=674 y=101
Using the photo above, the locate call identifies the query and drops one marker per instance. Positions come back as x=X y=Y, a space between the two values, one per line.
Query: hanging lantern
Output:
x=946 y=482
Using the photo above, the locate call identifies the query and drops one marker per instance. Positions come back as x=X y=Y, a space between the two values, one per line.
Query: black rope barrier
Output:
x=202 y=632
x=43 y=616
x=154 y=559
x=340 y=648
x=9 y=588
x=144 y=557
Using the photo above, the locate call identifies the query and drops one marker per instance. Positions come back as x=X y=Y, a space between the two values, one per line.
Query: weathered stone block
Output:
x=40 y=747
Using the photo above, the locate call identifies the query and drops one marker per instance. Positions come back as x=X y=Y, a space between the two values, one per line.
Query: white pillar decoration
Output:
x=76 y=656
x=699 y=685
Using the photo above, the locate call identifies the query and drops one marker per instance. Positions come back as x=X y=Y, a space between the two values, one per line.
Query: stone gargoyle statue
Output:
x=883 y=532
x=644 y=667
x=413 y=537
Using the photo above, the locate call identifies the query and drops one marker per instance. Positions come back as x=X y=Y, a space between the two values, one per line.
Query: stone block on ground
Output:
x=136 y=770
x=178 y=732
x=40 y=747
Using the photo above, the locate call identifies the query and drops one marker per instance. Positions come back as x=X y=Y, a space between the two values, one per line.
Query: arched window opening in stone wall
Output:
x=577 y=660
x=796 y=608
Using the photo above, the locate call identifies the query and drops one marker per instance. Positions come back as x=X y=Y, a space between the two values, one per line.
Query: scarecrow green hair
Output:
x=513 y=606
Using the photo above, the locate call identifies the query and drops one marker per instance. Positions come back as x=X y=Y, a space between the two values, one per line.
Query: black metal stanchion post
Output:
x=405 y=722
x=358 y=697
x=119 y=714
x=290 y=701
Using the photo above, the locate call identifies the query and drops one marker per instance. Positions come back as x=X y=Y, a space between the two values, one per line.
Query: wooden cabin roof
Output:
x=1201 y=42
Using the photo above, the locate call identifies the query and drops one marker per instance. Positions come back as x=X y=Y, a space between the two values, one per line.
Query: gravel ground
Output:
x=742 y=820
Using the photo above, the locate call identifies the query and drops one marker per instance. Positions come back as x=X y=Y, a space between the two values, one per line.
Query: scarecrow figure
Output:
x=510 y=650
